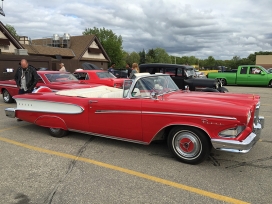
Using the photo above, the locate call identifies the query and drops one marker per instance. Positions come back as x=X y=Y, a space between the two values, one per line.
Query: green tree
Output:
x=161 y=56
x=150 y=56
x=12 y=30
x=142 y=57
x=110 y=42
x=132 y=57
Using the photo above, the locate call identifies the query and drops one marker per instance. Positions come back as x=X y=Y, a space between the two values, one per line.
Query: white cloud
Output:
x=222 y=28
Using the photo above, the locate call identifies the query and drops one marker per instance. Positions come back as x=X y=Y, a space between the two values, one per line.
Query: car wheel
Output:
x=189 y=145
x=7 y=97
x=223 y=82
x=270 y=83
x=57 y=132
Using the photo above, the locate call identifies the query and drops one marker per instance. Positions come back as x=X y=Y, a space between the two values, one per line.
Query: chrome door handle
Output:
x=93 y=101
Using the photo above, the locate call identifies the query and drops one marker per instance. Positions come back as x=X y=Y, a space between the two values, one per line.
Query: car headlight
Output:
x=232 y=132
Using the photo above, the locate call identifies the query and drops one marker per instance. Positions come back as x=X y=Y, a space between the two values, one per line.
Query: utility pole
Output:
x=2 y=9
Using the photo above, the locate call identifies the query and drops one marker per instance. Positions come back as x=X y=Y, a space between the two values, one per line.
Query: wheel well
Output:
x=164 y=133
x=270 y=83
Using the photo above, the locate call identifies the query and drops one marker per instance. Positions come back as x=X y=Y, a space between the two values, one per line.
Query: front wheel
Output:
x=57 y=132
x=270 y=84
x=223 y=81
x=189 y=145
x=7 y=97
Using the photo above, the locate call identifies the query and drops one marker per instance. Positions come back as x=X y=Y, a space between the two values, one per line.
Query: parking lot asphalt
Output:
x=38 y=168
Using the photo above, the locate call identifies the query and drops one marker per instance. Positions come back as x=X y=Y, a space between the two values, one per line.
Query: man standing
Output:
x=111 y=69
x=128 y=70
x=62 y=68
x=26 y=77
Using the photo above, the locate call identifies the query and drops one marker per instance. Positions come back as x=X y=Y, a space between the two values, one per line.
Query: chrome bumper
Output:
x=10 y=112
x=240 y=146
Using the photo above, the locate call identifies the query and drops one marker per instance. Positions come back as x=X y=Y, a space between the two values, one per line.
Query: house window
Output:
x=6 y=47
x=101 y=63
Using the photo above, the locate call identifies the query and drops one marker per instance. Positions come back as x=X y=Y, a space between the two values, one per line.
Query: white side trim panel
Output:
x=47 y=106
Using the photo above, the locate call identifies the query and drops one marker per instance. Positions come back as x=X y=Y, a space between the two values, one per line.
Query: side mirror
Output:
x=262 y=73
x=154 y=95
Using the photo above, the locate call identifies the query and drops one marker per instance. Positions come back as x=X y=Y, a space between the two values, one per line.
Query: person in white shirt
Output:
x=62 y=68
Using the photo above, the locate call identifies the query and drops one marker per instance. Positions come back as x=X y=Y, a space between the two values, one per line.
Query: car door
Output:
x=116 y=117
x=256 y=77
x=242 y=76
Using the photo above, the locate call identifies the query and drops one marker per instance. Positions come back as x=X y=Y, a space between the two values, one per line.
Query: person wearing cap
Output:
x=62 y=68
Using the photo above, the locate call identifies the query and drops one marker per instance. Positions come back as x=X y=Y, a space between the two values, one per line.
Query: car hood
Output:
x=214 y=97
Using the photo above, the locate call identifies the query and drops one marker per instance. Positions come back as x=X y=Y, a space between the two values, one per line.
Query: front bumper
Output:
x=240 y=146
x=10 y=112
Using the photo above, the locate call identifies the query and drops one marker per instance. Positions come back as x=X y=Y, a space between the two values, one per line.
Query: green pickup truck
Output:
x=245 y=75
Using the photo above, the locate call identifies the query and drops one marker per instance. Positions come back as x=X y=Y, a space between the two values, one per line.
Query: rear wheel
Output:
x=7 y=97
x=189 y=145
x=57 y=132
x=222 y=81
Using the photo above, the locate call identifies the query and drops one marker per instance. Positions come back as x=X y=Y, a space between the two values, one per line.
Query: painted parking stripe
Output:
x=127 y=171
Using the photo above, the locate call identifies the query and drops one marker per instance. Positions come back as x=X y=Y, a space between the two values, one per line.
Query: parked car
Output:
x=99 y=77
x=55 y=80
x=269 y=70
x=120 y=73
x=252 y=75
x=184 y=75
x=152 y=107
x=200 y=74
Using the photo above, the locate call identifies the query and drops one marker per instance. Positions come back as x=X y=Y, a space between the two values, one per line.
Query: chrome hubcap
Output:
x=187 y=144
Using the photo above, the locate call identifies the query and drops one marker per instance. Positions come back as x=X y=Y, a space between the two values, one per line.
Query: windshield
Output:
x=159 y=84
x=60 y=77
x=103 y=75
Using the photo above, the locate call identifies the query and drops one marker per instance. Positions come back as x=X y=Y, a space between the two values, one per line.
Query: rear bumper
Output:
x=10 y=112
x=240 y=146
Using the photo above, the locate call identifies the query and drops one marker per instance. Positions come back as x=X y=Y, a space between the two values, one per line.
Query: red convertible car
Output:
x=156 y=110
x=53 y=79
x=99 y=77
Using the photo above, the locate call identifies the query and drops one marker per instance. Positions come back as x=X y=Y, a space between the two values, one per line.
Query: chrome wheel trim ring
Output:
x=187 y=145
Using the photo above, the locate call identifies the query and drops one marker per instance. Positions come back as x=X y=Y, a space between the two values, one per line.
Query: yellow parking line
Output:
x=127 y=171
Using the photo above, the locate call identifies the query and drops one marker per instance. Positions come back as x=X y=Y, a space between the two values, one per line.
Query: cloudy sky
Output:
x=200 y=28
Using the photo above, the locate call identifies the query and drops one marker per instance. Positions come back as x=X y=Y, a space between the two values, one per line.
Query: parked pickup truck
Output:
x=252 y=75
x=184 y=75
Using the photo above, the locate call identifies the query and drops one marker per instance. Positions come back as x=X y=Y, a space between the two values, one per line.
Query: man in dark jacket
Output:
x=26 y=77
x=128 y=70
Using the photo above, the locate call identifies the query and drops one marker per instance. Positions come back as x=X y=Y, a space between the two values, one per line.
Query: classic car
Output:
x=120 y=73
x=55 y=80
x=98 y=77
x=184 y=76
x=200 y=74
x=156 y=110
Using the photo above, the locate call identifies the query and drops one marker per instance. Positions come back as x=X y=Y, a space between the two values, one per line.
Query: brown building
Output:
x=264 y=60
x=50 y=52
x=70 y=50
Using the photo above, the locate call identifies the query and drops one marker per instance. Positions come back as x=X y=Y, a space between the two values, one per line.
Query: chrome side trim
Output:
x=192 y=115
x=45 y=106
x=10 y=112
x=117 y=111
x=109 y=136
x=15 y=86
x=164 y=113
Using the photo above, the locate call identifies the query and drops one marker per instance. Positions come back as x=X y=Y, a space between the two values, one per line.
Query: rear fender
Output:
x=51 y=122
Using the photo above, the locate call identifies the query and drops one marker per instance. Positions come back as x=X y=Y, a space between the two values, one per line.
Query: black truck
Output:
x=184 y=75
